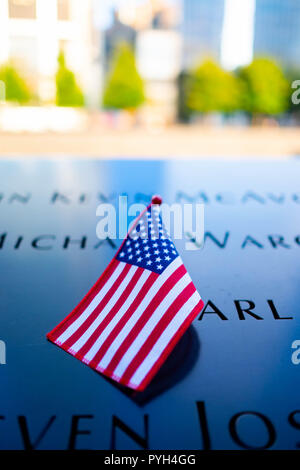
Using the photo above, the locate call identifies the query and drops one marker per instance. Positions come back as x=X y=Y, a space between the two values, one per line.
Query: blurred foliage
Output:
x=68 y=92
x=16 y=88
x=259 y=88
x=265 y=90
x=124 y=88
x=209 y=88
x=183 y=111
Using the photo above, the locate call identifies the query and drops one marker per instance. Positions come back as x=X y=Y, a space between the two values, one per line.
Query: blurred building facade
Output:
x=145 y=14
x=237 y=33
x=201 y=28
x=151 y=28
x=32 y=32
x=116 y=34
x=277 y=30
x=275 y=24
x=159 y=59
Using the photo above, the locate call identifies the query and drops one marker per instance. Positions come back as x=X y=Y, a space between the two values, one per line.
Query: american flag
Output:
x=132 y=318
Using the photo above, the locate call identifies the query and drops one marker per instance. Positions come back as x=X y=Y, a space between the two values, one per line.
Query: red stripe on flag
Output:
x=157 y=299
x=92 y=317
x=87 y=299
x=143 y=352
x=125 y=294
x=122 y=322
x=169 y=347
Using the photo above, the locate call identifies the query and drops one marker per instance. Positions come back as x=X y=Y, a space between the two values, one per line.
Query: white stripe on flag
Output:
x=136 y=315
x=148 y=328
x=130 y=299
x=113 y=300
x=91 y=307
x=164 y=339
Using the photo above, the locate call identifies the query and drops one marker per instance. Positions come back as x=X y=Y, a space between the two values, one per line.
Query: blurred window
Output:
x=23 y=50
x=63 y=9
x=22 y=9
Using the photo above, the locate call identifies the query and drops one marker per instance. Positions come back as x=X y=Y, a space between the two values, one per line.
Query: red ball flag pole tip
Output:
x=156 y=199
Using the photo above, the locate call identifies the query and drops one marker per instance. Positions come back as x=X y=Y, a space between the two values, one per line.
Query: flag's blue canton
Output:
x=149 y=245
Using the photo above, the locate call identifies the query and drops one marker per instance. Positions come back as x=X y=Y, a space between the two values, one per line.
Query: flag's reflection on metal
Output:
x=178 y=365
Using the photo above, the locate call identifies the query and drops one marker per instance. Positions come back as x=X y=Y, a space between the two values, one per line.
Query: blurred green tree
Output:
x=209 y=88
x=124 y=88
x=16 y=88
x=68 y=92
x=265 y=88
